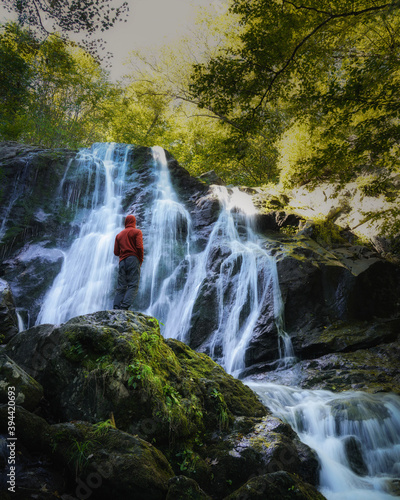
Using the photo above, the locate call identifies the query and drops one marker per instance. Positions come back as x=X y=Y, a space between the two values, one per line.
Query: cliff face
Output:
x=340 y=301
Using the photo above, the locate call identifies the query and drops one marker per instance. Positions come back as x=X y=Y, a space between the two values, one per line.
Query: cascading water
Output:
x=355 y=434
x=85 y=283
x=172 y=276
x=173 y=279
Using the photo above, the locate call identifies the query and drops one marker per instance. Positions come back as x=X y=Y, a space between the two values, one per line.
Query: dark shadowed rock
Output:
x=258 y=447
x=8 y=316
x=277 y=485
x=26 y=390
x=184 y=488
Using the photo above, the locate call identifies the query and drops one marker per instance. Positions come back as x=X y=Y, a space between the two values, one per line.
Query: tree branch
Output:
x=307 y=37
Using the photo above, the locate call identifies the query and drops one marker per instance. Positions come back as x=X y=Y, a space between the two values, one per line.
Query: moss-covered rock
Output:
x=184 y=488
x=108 y=462
x=85 y=459
x=258 y=447
x=117 y=362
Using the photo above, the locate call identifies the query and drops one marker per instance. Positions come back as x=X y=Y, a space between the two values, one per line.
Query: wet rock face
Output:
x=8 y=316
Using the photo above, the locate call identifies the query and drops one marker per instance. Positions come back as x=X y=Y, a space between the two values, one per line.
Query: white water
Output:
x=172 y=276
x=325 y=421
x=85 y=283
x=172 y=280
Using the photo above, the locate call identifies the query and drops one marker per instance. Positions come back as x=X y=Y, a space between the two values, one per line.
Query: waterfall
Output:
x=355 y=434
x=85 y=282
x=172 y=275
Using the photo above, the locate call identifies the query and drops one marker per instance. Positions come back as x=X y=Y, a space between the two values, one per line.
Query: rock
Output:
x=110 y=462
x=372 y=370
x=26 y=390
x=31 y=272
x=343 y=336
x=211 y=178
x=184 y=488
x=267 y=445
x=8 y=315
x=354 y=455
x=100 y=459
x=115 y=361
x=280 y=485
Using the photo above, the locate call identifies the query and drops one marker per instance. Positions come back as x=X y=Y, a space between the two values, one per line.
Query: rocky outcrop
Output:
x=126 y=412
x=118 y=362
x=340 y=300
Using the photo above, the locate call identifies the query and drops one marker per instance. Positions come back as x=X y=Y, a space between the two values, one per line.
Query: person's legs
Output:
x=122 y=284
x=132 y=274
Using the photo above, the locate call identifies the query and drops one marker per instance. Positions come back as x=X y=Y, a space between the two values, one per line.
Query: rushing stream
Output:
x=356 y=435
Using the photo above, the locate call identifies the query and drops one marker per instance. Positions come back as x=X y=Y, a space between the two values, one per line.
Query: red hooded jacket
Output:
x=129 y=241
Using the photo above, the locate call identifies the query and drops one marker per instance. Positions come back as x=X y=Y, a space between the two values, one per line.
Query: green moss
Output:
x=326 y=233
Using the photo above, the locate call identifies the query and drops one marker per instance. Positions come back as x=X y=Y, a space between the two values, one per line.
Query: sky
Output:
x=150 y=24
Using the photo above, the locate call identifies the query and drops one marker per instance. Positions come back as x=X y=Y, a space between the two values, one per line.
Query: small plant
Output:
x=135 y=374
x=80 y=453
x=101 y=428
x=187 y=460
x=221 y=409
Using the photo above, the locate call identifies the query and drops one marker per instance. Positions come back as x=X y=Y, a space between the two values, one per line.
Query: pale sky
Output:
x=151 y=24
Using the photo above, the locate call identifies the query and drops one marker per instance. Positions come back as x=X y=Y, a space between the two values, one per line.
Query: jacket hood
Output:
x=130 y=221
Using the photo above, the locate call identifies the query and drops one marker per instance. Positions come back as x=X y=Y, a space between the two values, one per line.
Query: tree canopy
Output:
x=67 y=17
x=332 y=64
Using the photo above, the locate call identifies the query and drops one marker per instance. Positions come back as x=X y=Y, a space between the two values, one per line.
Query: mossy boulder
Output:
x=184 y=488
x=108 y=462
x=85 y=459
x=117 y=362
x=258 y=447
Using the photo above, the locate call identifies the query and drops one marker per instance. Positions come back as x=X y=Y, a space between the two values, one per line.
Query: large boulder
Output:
x=256 y=447
x=118 y=362
x=83 y=459
x=282 y=485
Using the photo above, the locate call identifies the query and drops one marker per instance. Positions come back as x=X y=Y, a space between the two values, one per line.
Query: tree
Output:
x=60 y=95
x=17 y=47
x=67 y=17
x=333 y=63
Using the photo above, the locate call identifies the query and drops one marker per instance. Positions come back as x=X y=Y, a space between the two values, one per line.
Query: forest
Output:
x=279 y=92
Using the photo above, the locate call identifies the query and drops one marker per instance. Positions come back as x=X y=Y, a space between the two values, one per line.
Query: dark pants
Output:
x=128 y=282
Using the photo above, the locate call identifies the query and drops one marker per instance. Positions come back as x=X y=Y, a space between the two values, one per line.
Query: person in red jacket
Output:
x=128 y=247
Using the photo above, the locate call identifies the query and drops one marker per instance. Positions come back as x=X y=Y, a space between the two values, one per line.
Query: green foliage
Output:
x=331 y=68
x=80 y=453
x=59 y=99
x=65 y=18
